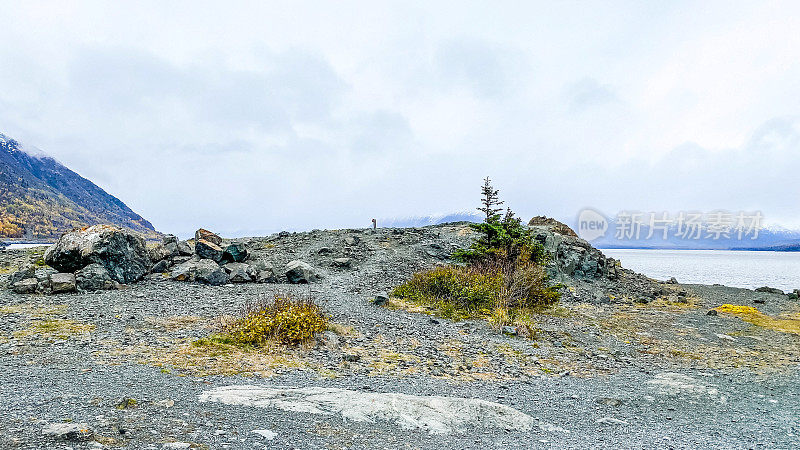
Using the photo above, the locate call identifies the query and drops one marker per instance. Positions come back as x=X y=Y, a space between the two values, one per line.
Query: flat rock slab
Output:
x=676 y=384
x=436 y=415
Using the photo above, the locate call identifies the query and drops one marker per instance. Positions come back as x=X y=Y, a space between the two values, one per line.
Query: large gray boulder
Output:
x=93 y=277
x=208 y=250
x=204 y=270
x=158 y=253
x=203 y=234
x=170 y=243
x=239 y=272
x=22 y=274
x=235 y=252
x=26 y=286
x=265 y=273
x=299 y=272
x=121 y=252
x=185 y=249
x=62 y=283
x=209 y=272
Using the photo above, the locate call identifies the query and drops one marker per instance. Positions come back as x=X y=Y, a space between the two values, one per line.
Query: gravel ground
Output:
x=600 y=372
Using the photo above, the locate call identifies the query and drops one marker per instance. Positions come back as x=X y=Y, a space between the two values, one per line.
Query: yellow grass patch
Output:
x=789 y=323
x=55 y=328
x=34 y=310
x=343 y=330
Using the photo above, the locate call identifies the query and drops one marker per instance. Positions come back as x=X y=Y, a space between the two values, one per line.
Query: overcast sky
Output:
x=253 y=117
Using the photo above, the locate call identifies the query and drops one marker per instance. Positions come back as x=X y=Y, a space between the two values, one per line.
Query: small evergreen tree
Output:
x=501 y=236
x=490 y=200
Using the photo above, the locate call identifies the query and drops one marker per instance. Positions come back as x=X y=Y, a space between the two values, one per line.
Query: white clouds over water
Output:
x=259 y=117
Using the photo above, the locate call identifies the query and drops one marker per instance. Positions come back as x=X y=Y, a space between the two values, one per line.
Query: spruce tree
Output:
x=490 y=200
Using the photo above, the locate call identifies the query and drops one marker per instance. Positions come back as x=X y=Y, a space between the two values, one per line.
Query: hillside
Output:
x=41 y=198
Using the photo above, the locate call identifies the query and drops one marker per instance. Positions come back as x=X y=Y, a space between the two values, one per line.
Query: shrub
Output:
x=460 y=291
x=503 y=277
x=284 y=319
x=464 y=291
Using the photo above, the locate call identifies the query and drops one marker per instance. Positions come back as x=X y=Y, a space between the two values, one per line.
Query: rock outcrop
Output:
x=121 y=252
x=570 y=256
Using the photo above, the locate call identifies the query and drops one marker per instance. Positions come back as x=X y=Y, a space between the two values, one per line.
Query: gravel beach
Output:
x=120 y=368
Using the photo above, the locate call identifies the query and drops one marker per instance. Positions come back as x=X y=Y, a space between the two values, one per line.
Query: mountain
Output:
x=772 y=238
x=422 y=221
x=40 y=198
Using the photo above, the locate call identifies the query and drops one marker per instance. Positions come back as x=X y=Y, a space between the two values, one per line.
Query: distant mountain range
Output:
x=435 y=219
x=772 y=238
x=40 y=198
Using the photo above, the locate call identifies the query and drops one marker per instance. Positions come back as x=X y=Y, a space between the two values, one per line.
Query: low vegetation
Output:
x=285 y=319
x=501 y=276
x=788 y=324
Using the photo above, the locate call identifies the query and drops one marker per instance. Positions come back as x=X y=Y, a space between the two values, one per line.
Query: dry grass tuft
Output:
x=55 y=328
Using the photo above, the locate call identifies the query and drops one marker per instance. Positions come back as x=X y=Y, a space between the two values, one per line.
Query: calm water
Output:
x=731 y=268
x=18 y=246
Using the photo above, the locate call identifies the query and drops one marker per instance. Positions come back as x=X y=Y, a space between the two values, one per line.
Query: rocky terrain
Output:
x=621 y=361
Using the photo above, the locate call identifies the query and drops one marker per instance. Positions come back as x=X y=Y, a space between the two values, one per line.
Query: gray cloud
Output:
x=258 y=121
x=587 y=93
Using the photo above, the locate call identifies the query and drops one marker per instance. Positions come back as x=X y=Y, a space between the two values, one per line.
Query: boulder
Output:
x=93 y=277
x=185 y=249
x=158 y=253
x=342 y=262
x=161 y=266
x=209 y=272
x=770 y=290
x=22 y=274
x=185 y=271
x=203 y=234
x=553 y=225
x=208 y=250
x=239 y=272
x=62 y=283
x=204 y=270
x=121 y=252
x=299 y=272
x=265 y=273
x=381 y=299
x=236 y=252
x=26 y=286
x=170 y=243
x=78 y=432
